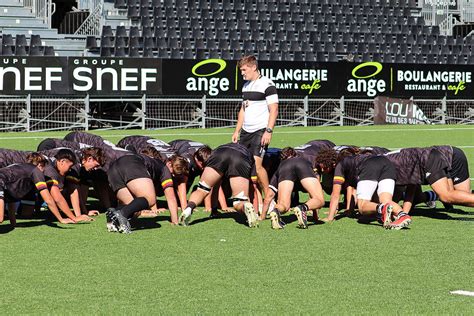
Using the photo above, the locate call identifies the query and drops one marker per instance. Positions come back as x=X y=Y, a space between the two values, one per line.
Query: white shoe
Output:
x=276 y=220
x=184 y=220
x=252 y=218
x=431 y=204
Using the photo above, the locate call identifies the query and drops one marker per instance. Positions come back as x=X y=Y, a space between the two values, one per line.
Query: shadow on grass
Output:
x=148 y=223
x=442 y=214
x=5 y=229
x=236 y=216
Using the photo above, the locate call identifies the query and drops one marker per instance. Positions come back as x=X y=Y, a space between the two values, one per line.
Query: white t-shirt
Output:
x=257 y=96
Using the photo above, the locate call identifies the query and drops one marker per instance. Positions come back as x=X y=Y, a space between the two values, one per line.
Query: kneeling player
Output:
x=133 y=179
x=294 y=173
x=232 y=161
x=367 y=173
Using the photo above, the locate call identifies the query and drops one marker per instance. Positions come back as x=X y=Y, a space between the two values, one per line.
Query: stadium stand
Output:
x=25 y=33
x=310 y=30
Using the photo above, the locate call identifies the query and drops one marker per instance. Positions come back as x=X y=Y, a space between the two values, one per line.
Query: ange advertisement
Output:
x=219 y=78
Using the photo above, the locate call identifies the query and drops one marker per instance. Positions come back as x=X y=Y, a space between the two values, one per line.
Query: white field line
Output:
x=316 y=131
x=461 y=292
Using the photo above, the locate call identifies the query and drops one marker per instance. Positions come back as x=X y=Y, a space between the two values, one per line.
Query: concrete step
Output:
x=65 y=45
x=12 y=3
x=44 y=33
x=23 y=22
x=15 y=12
x=67 y=53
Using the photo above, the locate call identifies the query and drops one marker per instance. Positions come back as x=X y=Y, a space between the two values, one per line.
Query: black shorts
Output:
x=124 y=170
x=253 y=142
x=230 y=163
x=436 y=167
x=376 y=168
x=293 y=169
x=459 y=167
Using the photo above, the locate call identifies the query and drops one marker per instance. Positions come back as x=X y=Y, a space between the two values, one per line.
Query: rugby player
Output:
x=233 y=162
x=367 y=173
x=136 y=181
x=294 y=173
x=257 y=115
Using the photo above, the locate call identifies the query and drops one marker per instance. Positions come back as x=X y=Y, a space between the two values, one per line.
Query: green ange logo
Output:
x=203 y=79
x=362 y=81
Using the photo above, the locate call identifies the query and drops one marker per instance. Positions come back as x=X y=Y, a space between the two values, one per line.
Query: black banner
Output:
x=80 y=76
x=218 y=78
x=397 y=111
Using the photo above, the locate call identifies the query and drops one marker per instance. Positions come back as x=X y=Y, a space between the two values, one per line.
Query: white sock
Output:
x=187 y=211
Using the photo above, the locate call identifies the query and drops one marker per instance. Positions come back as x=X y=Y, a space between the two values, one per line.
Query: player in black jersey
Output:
x=293 y=174
x=367 y=173
x=11 y=156
x=136 y=180
x=188 y=149
x=52 y=143
x=434 y=166
x=137 y=143
x=24 y=179
x=234 y=162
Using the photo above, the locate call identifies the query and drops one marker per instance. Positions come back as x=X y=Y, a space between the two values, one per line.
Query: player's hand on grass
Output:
x=328 y=220
x=92 y=213
x=84 y=218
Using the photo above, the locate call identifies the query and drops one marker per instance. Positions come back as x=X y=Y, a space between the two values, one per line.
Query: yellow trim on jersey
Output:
x=54 y=182
x=41 y=184
x=166 y=183
x=339 y=179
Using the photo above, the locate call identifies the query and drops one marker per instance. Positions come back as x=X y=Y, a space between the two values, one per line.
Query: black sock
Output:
x=136 y=205
x=304 y=207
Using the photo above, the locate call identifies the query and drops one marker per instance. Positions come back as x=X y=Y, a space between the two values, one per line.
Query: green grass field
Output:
x=220 y=266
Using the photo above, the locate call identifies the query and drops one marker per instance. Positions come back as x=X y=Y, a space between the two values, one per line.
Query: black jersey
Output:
x=446 y=152
x=18 y=180
x=11 y=156
x=159 y=173
x=310 y=150
x=137 y=143
x=51 y=143
x=374 y=150
x=418 y=165
x=186 y=149
x=86 y=139
x=347 y=169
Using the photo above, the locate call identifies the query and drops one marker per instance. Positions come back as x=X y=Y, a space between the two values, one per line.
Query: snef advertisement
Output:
x=112 y=76
x=26 y=75
x=397 y=111
x=80 y=76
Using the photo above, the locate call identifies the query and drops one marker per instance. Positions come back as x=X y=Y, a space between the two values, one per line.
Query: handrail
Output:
x=93 y=24
x=42 y=9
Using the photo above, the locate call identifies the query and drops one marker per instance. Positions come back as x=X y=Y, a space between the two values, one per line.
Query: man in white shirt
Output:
x=257 y=116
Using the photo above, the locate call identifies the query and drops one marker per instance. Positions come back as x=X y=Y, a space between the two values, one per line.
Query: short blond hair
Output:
x=248 y=60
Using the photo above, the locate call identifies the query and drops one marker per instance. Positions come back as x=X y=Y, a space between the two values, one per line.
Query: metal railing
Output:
x=42 y=9
x=93 y=24
x=466 y=8
x=49 y=113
